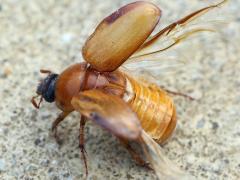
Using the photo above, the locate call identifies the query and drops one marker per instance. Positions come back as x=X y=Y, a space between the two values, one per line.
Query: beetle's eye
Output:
x=49 y=94
x=39 y=88
x=46 y=88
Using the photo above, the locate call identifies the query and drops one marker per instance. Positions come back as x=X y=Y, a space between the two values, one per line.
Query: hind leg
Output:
x=137 y=158
x=178 y=93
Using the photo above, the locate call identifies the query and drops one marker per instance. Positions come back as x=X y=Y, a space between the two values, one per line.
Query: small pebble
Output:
x=67 y=38
x=215 y=125
x=2 y=164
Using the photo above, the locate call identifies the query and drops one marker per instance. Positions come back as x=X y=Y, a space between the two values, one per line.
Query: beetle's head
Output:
x=46 y=89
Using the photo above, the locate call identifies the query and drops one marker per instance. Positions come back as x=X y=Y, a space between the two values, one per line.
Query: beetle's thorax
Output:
x=81 y=77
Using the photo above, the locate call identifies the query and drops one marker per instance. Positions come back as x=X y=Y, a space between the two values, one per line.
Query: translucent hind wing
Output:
x=176 y=32
x=152 y=66
x=163 y=167
x=170 y=41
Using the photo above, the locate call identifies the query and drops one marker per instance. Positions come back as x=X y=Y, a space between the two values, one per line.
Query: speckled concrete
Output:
x=49 y=34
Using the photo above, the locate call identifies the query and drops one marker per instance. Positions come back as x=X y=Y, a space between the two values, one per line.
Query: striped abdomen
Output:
x=155 y=109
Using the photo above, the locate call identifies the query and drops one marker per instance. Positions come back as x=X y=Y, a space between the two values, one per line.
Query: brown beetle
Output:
x=130 y=109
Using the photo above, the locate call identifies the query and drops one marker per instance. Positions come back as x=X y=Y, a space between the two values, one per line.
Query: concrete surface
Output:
x=49 y=34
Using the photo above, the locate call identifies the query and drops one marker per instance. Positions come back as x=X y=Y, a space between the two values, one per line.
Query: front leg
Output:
x=81 y=142
x=55 y=124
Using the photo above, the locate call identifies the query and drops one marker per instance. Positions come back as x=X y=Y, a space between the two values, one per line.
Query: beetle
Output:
x=129 y=108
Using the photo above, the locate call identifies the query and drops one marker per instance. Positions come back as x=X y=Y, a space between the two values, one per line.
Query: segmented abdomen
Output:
x=154 y=108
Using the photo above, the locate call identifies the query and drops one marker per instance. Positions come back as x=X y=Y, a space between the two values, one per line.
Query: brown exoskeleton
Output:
x=128 y=108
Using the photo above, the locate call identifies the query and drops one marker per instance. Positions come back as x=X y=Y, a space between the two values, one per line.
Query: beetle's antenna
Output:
x=35 y=104
x=44 y=71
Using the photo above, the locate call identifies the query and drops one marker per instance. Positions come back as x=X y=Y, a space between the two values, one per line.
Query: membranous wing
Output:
x=156 y=57
x=177 y=32
x=163 y=167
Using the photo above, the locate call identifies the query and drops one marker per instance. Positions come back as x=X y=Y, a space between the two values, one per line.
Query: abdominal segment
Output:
x=154 y=108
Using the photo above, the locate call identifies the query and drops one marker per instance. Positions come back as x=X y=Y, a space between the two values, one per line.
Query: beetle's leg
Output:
x=178 y=94
x=35 y=104
x=137 y=158
x=55 y=124
x=81 y=142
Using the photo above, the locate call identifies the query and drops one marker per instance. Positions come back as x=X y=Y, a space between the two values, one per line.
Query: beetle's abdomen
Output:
x=155 y=109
